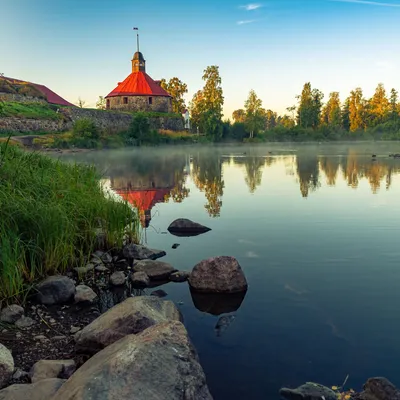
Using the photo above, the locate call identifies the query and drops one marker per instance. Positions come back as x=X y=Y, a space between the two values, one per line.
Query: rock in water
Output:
x=223 y=324
x=379 y=389
x=11 y=314
x=159 y=363
x=218 y=275
x=309 y=391
x=155 y=270
x=129 y=317
x=42 y=390
x=137 y=252
x=6 y=365
x=55 y=290
x=84 y=293
x=45 y=369
x=159 y=293
x=179 y=276
x=140 y=279
x=186 y=227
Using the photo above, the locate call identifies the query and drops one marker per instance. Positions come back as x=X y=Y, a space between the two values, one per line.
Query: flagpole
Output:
x=137 y=38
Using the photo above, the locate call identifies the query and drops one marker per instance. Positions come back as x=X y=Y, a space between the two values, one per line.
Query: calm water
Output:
x=316 y=231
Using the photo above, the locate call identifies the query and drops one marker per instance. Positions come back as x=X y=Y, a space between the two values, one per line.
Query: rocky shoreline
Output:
x=93 y=334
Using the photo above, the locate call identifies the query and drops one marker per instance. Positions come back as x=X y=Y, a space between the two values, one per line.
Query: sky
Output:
x=83 y=48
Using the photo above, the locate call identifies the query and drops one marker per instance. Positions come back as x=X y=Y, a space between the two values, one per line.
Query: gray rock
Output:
x=155 y=270
x=140 y=279
x=218 y=275
x=11 y=314
x=55 y=290
x=379 y=389
x=106 y=258
x=42 y=390
x=309 y=391
x=137 y=252
x=84 y=270
x=84 y=293
x=40 y=337
x=74 y=329
x=19 y=374
x=25 y=322
x=6 y=365
x=101 y=268
x=186 y=227
x=58 y=337
x=45 y=369
x=129 y=317
x=159 y=363
x=117 y=278
x=179 y=276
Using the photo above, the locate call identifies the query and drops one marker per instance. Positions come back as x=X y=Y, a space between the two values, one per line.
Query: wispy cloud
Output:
x=385 y=65
x=367 y=2
x=251 y=6
x=246 y=21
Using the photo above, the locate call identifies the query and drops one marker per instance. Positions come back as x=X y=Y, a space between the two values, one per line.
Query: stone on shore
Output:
x=25 y=322
x=6 y=365
x=379 y=389
x=84 y=270
x=140 y=279
x=132 y=316
x=84 y=293
x=45 y=369
x=137 y=252
x=218 y=275
x=42 y=390
x=117 y=278
x=186 y=227
x=155 y=270
x=308 y=391
x=179 y=276
x=55 y=290
x=158 y=363
x=11 y=314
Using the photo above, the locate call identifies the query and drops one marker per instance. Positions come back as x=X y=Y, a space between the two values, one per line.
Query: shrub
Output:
x=85 y=128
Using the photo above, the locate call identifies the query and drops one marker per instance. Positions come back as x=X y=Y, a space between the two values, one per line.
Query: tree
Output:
x=394 y=106
x=101 y=103
x=346 y=114
x=331 y=113
x=310 y=104
x=357 y=110
x=177 y=89
x=379 y=106
x=206 y=105
x=81 y=103
x=271 y=119
x=239 y=115
x=254 y=116
x=286 y=121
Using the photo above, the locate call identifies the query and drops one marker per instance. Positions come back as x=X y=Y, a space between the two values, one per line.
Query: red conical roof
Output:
x=138 y=84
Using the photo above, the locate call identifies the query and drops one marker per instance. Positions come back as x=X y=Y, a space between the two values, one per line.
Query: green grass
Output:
x=49 y=215
x=29 y=110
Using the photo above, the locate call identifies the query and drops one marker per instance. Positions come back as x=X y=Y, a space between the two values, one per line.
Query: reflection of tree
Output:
x=207 y=176
x=351 y=170
x=179 y=192
x=308 y=173
x=330 y=166
x=254 y=172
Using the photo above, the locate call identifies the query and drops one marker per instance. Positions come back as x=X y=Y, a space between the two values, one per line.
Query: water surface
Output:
x=315 y=229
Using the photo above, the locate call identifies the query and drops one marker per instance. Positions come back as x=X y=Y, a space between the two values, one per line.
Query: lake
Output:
x=316 y=231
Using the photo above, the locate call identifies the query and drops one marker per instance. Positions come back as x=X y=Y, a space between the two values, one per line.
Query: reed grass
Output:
x=50 y=215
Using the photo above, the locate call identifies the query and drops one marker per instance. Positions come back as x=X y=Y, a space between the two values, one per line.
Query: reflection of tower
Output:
x=186 y=169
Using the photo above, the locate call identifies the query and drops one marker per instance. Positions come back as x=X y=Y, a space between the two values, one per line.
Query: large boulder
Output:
x=159 y=363
x=6 y=365
x=45 y=369
x=131 y=316
x=137 y=252
x=218 y=275
x=42 y=390
x=155 y=270
x=186 y=227
x=11 y=314
x=55 y=290
x=379 y=389
x=308 y=391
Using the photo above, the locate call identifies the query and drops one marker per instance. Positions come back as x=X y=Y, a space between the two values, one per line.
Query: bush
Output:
x=85 y=128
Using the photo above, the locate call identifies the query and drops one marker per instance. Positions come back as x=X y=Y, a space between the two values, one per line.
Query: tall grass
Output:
x=50 y=215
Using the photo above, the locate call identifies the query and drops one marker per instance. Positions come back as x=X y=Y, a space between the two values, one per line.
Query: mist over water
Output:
x=315 y=229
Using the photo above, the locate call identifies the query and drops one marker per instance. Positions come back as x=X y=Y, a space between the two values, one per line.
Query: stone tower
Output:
x=138 y=62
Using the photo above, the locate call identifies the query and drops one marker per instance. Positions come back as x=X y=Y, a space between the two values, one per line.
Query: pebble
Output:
x=101 y=268
x=52 y=321
x=40 y=337
x=60 y=337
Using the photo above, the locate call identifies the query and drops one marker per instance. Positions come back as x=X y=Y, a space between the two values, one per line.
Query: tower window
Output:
x=125 y=100
x=150 y=100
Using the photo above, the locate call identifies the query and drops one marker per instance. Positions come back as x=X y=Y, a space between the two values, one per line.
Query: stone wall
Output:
x=109 y=121
x=19 y=98
x=140 y=103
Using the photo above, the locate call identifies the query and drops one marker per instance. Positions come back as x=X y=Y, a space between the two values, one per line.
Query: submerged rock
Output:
x=309 y=391
x=159 y=293
x=159 y=363
x=129 y=317
x=137 y=252
x=223 y=324
x=379 y=389
x=84 y=293
x=218 y=275
x=55 y=290
x=11 y=314
x=179 y=276
x=186 y=227
x=155 y=270
x=42 y=390
x=45 y=369
x=6 y=365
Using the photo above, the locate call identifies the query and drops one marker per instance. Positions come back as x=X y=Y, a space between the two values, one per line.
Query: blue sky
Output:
x=82 y=48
